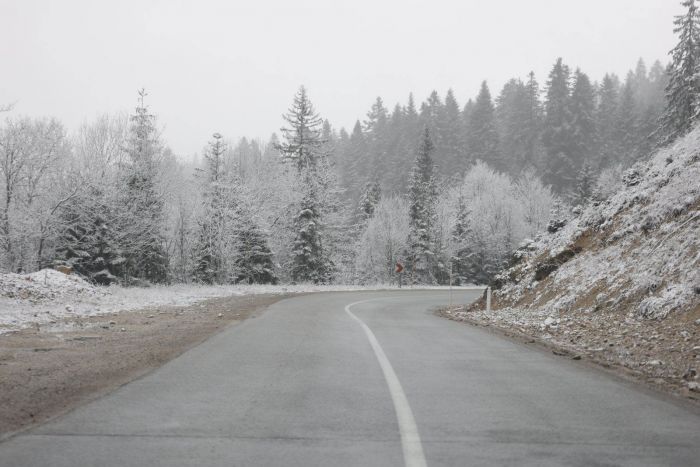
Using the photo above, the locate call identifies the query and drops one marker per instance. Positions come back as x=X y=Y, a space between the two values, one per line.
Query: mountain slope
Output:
x=620 y=280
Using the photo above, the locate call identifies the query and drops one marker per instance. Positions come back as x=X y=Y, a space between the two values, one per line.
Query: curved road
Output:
x=322 y=380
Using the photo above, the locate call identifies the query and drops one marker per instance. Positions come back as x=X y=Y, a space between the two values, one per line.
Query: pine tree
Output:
x=355 y=163
x=584 y=137
x=142 y=239
x=557 y=135
x=253 y=262
x=585 y=184
x=209 y=249
x=467 y=112
x=606 y=121
x=303 y=136
x=394 y=148
x=451 y=138
x=370 y=199
x=422 y=196
x=310 y=262
x=512 y=112
x=626 y=127
x=375 y=131
x=483 y=135
x=683 y=90
x=532 y=125
x=648 y=121
x=87 y=242
x=462 y=262
x=304 y=144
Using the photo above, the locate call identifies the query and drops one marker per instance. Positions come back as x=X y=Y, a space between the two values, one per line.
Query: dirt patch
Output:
x=44 y=373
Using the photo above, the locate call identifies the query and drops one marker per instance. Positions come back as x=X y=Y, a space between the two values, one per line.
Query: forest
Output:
x=450 y=190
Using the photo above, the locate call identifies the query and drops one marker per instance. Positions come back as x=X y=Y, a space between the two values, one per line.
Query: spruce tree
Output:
x=304 y=145
x=467 y=112
x=375 y=131
x=483 y=135
x=648 y=121
x=557 y=135
x=452 y=162
x=142 y=239
x=213 y=225
x=532 y=124
x=606 y=122
x=355 y=163
x=512 y=114
x=302 y=138
x=87 y=241
x=310 y=261
x=462 y=263
x=253 y=261
x=422 y=196
x=370 y=199
x=683 y=90
x=626 y=127
x=585 y=184
x=584 y=137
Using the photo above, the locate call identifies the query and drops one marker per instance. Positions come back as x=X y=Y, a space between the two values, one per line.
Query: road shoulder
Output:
x=48 y=372
x=668 y=388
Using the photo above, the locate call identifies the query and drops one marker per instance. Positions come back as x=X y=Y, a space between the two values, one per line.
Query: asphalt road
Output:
x=384 y=382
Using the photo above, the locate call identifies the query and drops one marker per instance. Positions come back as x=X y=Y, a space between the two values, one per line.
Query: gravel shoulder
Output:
x=47 y=371
x=663 y=356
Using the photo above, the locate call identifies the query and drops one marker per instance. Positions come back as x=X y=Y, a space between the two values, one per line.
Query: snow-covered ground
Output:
x=637 y=252
x=48 y=295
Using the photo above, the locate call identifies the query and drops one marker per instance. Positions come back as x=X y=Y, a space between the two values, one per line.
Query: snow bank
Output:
x=47 y=296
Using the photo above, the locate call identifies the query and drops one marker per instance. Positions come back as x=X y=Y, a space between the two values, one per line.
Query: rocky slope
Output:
x=619 y=281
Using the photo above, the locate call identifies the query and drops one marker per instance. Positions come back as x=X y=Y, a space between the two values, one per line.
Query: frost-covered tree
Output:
x=536 y=201
x=310 y=261
x=32 y=152
x=493 y=215
x=422 y=195
x=370 y=199
x=142 y=220
x=302 y=138
x=253 y=262
x=88 y=242
x=585 y=185
x=683 y=90
x=304 y=145
x=383 y=241
x=215 y=222
x=87 y=236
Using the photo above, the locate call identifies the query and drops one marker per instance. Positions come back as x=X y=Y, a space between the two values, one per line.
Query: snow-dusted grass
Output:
x=47 y=295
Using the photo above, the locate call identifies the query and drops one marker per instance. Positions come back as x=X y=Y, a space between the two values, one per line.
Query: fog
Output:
x=232 y=67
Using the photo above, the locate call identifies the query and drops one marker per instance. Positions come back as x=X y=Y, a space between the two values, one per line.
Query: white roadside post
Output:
x=450 y=284
x=488 y=299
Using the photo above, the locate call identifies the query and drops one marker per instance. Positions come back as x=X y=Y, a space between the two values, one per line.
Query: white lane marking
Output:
x=410 y=439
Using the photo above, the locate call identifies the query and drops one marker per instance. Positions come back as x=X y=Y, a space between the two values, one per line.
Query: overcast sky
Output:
x=233 y=67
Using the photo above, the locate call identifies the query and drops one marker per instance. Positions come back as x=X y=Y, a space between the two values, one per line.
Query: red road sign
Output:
x=399 y=267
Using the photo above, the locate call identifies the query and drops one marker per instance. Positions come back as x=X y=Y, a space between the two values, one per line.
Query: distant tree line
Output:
x=449 y=191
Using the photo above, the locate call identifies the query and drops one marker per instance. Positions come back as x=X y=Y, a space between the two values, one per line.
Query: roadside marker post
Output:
x=488 y=299
x=450 y=284
x=399 y=270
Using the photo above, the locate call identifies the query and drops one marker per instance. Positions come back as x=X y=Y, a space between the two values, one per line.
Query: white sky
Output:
x=233 y=67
